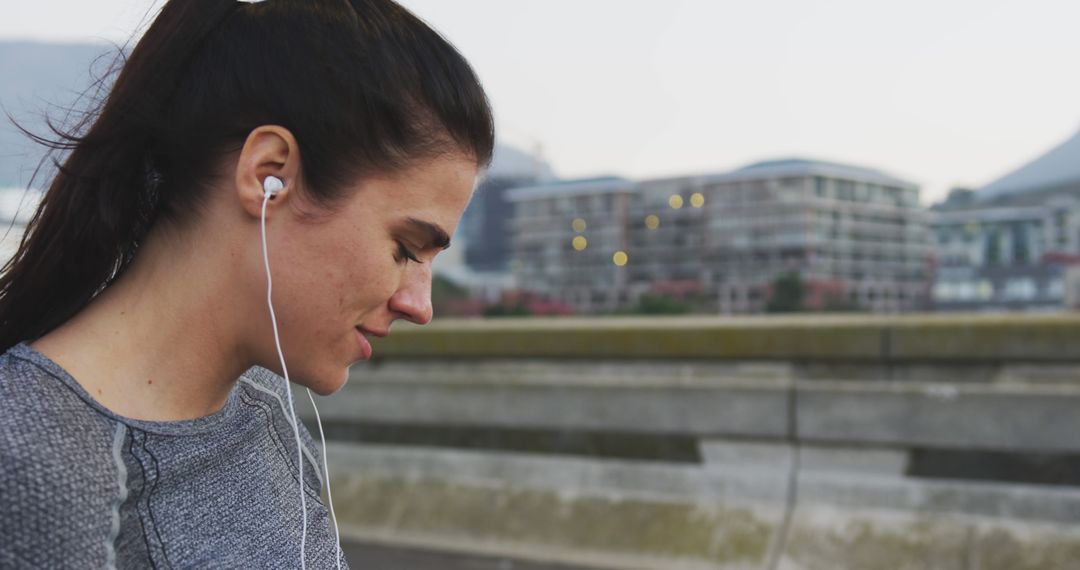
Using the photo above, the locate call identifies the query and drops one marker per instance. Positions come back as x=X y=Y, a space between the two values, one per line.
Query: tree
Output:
x=788 y=294
x=661 y=305
x=444 y=292
x=518 y=309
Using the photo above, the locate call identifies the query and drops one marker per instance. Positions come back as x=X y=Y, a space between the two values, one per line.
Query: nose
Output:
x=413 y=299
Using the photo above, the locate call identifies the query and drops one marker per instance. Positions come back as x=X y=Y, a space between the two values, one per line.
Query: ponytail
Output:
x=364 y=86
x=102 y=201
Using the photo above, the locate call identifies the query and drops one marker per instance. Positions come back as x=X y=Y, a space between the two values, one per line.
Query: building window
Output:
x=845 y=190
x=1055 y=288
x=909 y=198
x=993 y=249
x=943 y=236
x=1021 y=289
x=1061 y=219
x=889 y=195
x=1020 y=252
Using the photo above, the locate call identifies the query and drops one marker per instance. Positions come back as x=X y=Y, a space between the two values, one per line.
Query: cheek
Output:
x=316 y=281
x=333 y=282
x=356 y=283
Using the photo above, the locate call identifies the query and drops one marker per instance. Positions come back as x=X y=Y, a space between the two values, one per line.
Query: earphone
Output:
x=272 y=186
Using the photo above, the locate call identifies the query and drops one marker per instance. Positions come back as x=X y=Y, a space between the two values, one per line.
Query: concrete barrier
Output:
x=809 y=442
x=940 y=338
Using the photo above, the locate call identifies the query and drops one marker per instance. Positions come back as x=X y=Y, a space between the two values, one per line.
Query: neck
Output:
x=165 y=341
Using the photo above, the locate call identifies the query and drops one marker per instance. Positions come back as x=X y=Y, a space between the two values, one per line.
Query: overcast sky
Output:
x=942 y=92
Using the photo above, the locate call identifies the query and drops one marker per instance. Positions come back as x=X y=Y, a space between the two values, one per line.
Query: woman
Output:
x=144 y=421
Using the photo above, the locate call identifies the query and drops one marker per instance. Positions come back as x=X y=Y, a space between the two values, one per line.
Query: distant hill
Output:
x=36 y=78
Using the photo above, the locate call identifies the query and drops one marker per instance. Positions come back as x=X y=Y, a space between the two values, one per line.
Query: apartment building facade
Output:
x=1013 y=244
x=564 y=239
x=856 y=236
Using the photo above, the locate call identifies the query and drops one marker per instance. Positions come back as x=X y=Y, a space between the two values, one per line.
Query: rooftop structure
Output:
x=1056 y=169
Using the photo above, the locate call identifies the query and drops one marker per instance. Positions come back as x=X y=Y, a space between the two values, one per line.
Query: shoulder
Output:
x=36 y=394
x=43 y=419
x=55 y=464
x=40 y=409
x=23 y=379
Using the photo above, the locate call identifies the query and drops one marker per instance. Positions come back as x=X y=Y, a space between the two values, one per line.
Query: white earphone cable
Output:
x=326 y=472
x=288 y=391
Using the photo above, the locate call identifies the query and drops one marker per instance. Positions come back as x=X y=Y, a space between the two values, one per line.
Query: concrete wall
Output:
x=809 y=440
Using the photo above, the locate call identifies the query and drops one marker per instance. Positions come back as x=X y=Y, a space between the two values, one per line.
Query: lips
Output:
x=370 y=332
x=365 y=346
x=364 y=335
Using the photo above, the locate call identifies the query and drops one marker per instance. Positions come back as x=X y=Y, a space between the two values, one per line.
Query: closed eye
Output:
x=405 y=255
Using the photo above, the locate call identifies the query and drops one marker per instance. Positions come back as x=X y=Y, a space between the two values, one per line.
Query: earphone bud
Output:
x=272 y=185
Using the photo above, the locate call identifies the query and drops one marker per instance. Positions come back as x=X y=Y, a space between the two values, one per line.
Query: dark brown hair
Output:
x=363 y=85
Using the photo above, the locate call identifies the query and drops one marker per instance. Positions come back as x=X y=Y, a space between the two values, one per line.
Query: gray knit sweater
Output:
x=81 y=487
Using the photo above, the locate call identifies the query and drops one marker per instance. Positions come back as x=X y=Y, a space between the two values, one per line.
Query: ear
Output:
x=269 y=150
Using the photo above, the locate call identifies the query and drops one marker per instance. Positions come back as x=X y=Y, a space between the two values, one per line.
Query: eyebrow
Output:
x=436 y=236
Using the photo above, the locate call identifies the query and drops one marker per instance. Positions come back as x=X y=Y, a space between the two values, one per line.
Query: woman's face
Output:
x=349 y=270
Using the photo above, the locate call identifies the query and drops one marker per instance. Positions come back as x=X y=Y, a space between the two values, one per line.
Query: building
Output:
x=856 y=236
x=485 y=227
x=479 y=258
x=565 y=237
x=1012 y=244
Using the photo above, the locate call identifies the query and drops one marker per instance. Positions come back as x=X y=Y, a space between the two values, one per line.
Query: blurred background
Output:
x=748 y=285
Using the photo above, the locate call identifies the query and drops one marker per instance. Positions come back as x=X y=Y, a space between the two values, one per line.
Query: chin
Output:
x=327 y=382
